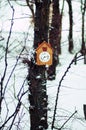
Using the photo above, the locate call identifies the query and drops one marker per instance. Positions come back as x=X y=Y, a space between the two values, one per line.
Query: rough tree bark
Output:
x=37 y=77
x=83 y=8
x=70 y=26
x=55 y=37
x=84 y=110
x=83 y=46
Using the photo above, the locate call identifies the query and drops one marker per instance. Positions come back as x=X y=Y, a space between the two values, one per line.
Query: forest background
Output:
x=23 y=26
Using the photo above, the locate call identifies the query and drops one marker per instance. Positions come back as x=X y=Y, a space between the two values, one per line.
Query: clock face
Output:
x=44 y=56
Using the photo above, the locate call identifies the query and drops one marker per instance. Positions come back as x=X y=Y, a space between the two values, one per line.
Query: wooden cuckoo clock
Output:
x=44 y=54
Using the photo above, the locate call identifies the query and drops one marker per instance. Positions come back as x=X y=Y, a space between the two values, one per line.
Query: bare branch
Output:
x=12 y=71
x=67 y=120
x=17 y=109
x=6 y=53
x=59 y=86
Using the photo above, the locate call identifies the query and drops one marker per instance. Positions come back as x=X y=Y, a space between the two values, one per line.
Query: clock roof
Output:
x=44 y=44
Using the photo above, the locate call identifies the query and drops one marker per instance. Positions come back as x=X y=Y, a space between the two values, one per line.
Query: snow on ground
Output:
x=72 y=93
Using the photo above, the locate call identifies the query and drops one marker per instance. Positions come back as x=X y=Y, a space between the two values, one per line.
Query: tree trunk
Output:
x=70 y=26
x=83 y=51
x=84 y=109
x=37 y=77
x=55 y=38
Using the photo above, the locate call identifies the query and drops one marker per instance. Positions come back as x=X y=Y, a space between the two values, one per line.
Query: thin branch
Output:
x=15 y=112
x=21 y=89
x=12 y=71
x=62 y=7
x=31 y=8
x=59 y=86
x=67 y=120
x=6 y=53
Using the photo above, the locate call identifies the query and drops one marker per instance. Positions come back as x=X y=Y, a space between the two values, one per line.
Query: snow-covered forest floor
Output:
x=72 y=94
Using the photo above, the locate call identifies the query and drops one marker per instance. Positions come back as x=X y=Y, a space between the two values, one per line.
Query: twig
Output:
x=6 y=53
x=15 y=112
x=12 y=71
x=67 y=120
x=58 y=89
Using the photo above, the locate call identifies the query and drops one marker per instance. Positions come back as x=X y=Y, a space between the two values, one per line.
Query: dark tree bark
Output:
x=54 y=34
x=83 y=46
x=84 y=109
x=36 y=77
x=70 y=26
x=83 y=8
x=55 y=38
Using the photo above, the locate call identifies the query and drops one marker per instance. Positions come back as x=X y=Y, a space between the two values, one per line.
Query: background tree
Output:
x=83 y=9
x=83 y=45
x=70 y=37
x=37 y=74
x=55 y=36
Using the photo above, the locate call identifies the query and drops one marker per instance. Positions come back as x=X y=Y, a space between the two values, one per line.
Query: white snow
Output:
x=72 y=94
